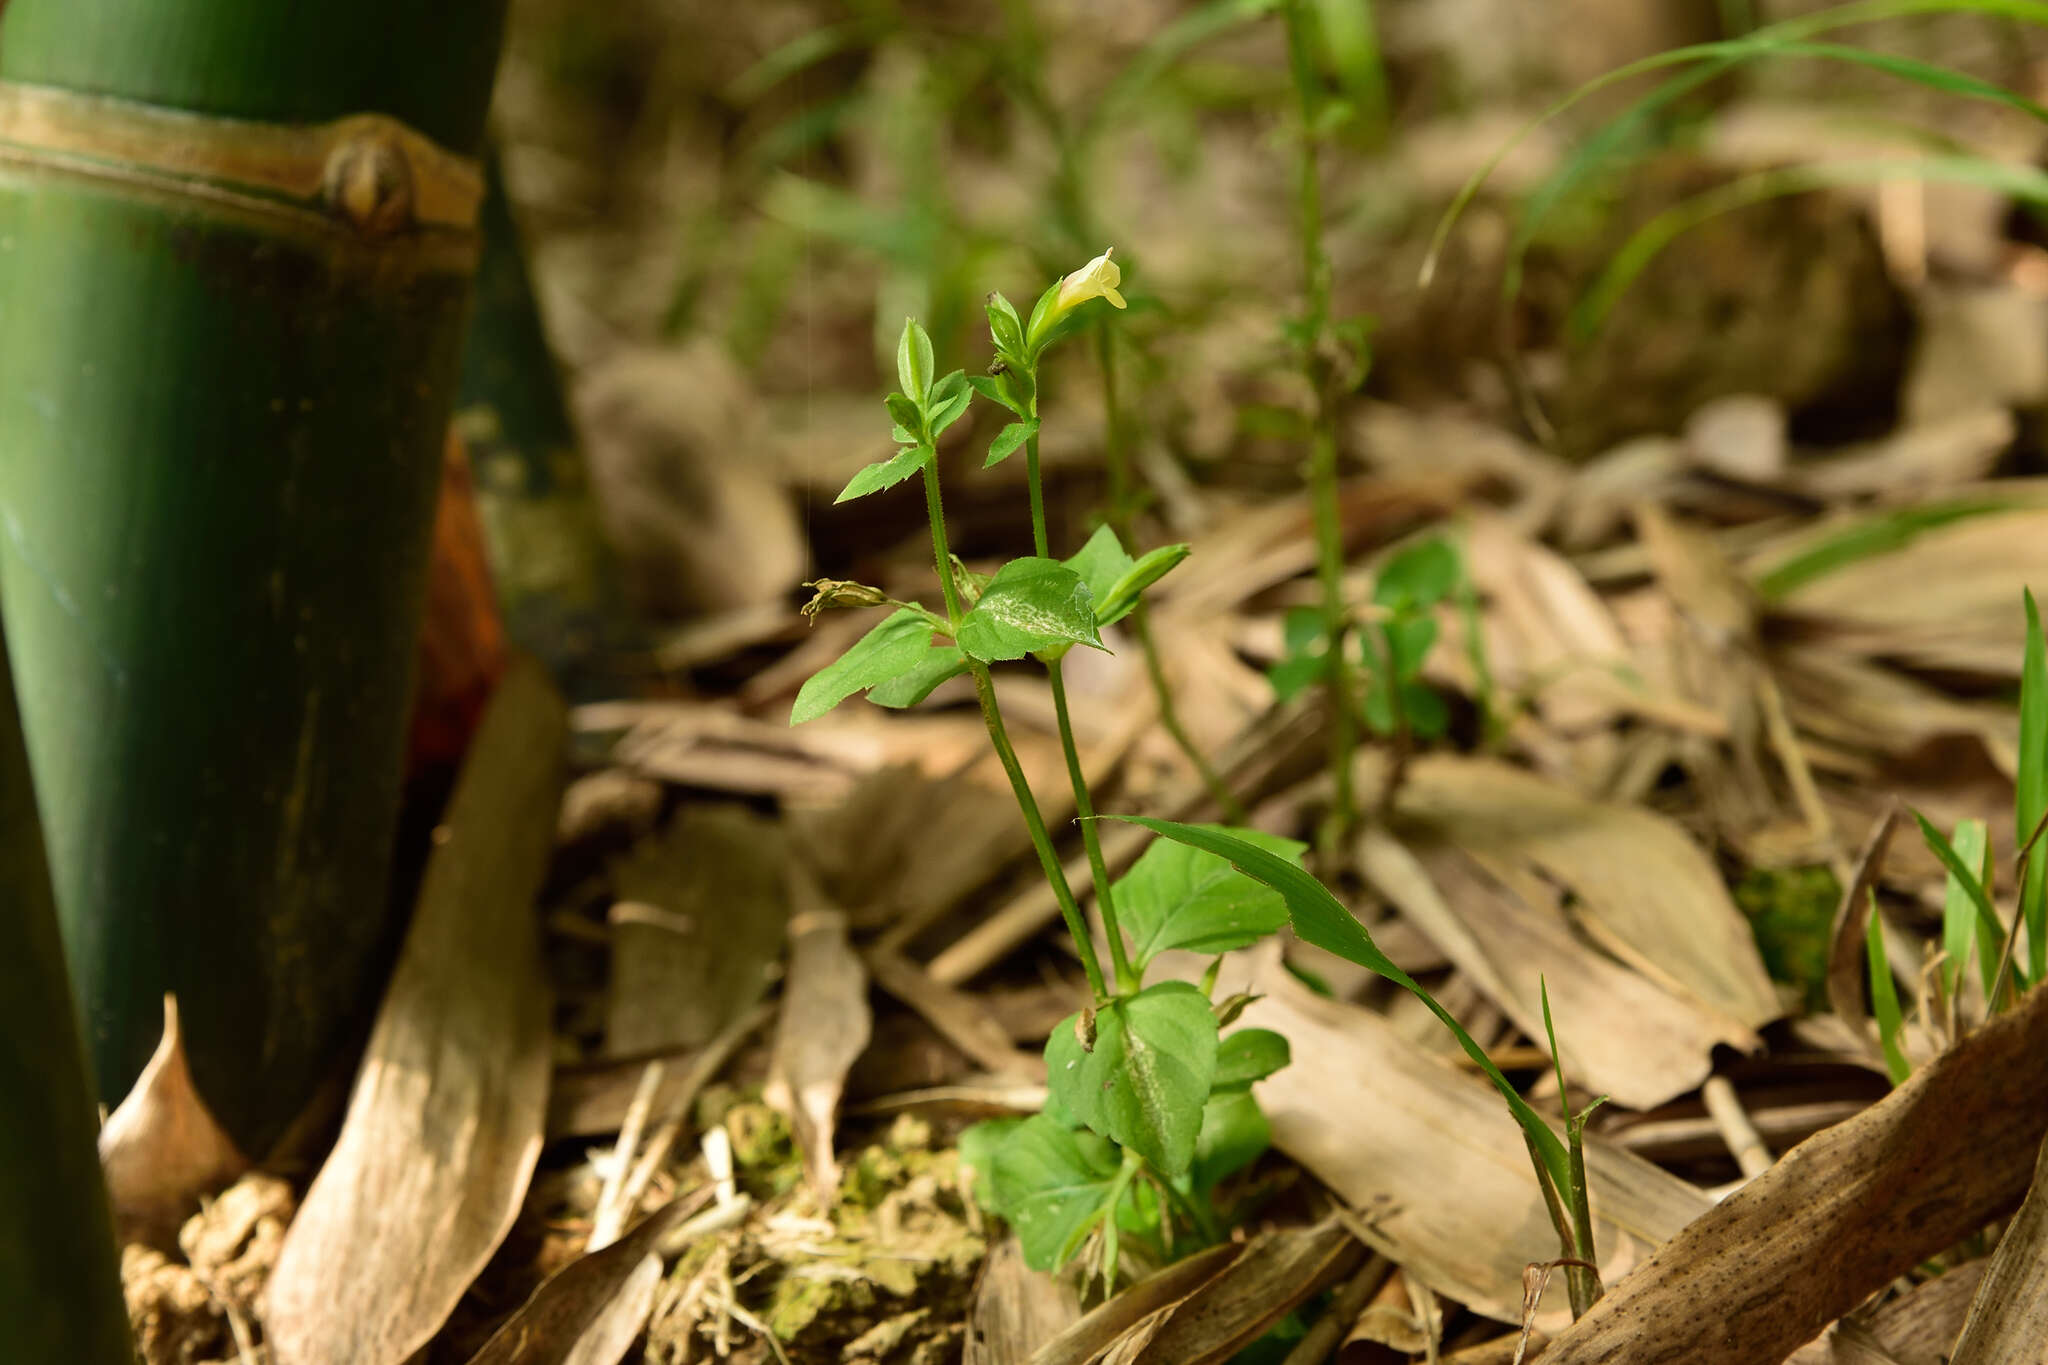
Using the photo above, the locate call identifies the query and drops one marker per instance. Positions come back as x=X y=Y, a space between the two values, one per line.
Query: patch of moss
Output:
x=1791 y=911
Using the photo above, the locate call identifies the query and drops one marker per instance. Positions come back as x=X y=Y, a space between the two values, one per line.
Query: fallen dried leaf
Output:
x=1645 y=891
x=823 y=1029
x=2008 y=1321
x=1016 y=1308
x=444 y=1125
x=590 y=1311
x=696 y=930
x=1620 y=1034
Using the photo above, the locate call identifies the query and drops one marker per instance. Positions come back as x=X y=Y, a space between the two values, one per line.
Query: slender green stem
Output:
x=1055 y=875
x=1038 y=540
x=1322 y=470
x=1091 y=840
x=1118 y=515
x=942 y=556
x=1126 y=978
x=1582 y=1283
x=1006 y=753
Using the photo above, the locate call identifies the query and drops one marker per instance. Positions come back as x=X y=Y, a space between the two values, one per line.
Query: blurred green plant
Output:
x=1790 y=39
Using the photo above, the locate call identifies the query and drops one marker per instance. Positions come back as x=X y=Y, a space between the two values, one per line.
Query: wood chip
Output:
x=444 y=1126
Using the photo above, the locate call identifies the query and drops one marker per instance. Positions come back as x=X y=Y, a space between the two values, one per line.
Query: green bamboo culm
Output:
x=60 y=1286
x=236 y=244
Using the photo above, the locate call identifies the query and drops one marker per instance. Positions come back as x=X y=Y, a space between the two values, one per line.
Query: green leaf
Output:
x=1320 y=918
x=907 y=416
x=1054 y=1185
x=1881 y=533
x=888 y=651
x=979 y=1143
x=1007 y=440
x=885 y=473
x=1295 y=673
x=1972 y=844
x=914 y=363
x=1100 y=563
x=1030 y=605
x=1144 y=1082
x=1421 y=575
x=1884 y=998
x=1409 y=639
x=1990 y=932
x=1234 y=1135
x=1004 y=325
x=1123 y=597
x=1302 y=660
x=996 y=391
x=1175 y=896
x=1426 y=713
x=950 y=397
x=2030 y=801
x=1250 y=1054
x=941 y=663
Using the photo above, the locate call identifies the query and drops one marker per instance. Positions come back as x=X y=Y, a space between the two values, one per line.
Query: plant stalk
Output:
x=1322 y=471
x=1091 y=840
x=999 y=737
x=1126 y=978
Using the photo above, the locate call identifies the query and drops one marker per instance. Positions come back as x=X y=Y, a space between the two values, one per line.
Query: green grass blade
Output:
x=1320 y=918
x=2031 y=796
x=1990 y=933
x=1876 y=535
x=2023 y=183
x=1884 y=998
x=1972 y=844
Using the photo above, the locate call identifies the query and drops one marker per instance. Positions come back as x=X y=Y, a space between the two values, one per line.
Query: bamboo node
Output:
x=367 y=183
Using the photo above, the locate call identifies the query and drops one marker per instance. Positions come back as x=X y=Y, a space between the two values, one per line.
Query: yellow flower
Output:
x=1096 y=280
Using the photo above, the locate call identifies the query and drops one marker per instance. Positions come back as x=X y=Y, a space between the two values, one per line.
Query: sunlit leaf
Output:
x=885 y=473
x=893 y=648
x=1321 y=919
x=1175 y=896
x=1030 y=605
x=1054 y=1185
x=1145 y=1080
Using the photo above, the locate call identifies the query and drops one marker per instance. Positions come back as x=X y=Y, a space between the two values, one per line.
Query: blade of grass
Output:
x=2030 y=802
x=1884 y=999
x=1972 y=844
x=1991 y=937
